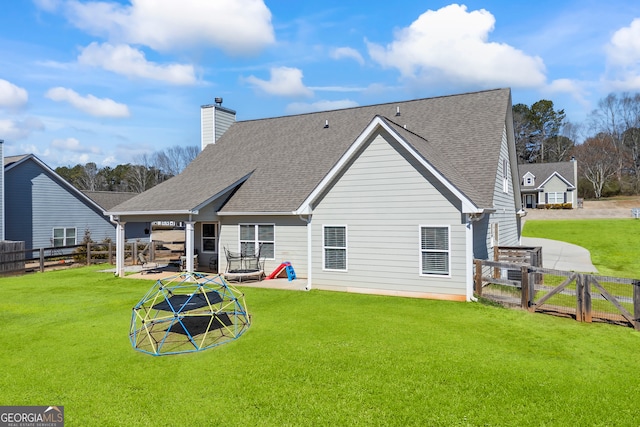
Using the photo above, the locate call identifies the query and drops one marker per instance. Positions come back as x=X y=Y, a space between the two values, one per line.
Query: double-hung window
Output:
x=254 y=236
x=555 y=198
x=210 y=237
x=434 y=250
x=334 y=243
x=63 y=236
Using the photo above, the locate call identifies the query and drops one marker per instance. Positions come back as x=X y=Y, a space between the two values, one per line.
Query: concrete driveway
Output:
x=562 y=256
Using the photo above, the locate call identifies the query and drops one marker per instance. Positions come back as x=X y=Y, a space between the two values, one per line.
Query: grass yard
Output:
x=614 y=243
x=312 y=358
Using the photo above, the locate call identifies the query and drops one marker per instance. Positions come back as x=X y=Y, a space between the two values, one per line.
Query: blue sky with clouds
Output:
x=108 y=81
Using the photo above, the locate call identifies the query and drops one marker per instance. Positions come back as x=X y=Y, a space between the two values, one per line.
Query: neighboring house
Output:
x=393 y=199
x=135 y=231
x=44 y=210
x=548 y=184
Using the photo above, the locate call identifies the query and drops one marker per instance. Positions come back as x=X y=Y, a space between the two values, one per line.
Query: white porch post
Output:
x=120 y=248
x=189 y=244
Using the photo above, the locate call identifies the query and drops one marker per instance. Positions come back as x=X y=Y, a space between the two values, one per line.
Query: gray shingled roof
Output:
x=287 y=157
x=542 y=171
x=12 y=159
x=108 y=199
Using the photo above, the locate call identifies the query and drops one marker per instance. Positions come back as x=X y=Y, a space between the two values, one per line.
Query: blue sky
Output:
x=109 y=81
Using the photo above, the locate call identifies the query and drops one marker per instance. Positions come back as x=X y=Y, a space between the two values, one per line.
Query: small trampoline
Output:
x=186 y=313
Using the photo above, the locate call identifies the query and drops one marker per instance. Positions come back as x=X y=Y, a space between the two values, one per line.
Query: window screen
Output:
x=434 y=250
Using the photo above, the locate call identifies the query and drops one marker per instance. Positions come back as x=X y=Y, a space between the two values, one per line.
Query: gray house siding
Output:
x=382 y=199
x=499 y=228
x=555 y=185
x=290 y=234
x=38 y=203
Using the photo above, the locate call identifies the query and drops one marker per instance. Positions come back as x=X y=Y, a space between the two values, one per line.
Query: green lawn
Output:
x=614 y=243
x=312 y=358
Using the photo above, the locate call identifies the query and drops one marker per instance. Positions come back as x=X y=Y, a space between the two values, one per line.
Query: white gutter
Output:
x=138 y=213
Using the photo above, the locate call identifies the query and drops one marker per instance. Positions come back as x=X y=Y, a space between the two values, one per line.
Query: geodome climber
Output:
x=186 y=313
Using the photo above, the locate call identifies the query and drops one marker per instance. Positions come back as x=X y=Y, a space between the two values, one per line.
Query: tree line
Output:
x=606 y=146
x=145 y=172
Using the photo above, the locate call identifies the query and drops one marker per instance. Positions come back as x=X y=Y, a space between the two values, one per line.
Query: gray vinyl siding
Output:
x=555 y=185
x=206 y=124
x=37 y=203
x=222 y=121
x=505 y=212
x=290 y=240
x=383 y=200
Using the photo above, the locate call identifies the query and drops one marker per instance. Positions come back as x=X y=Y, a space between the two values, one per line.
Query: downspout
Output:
x=471 y=218
x=309 y=249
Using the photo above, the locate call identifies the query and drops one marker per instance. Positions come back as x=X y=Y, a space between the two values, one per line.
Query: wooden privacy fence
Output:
x=11 y=257
x=585 y=297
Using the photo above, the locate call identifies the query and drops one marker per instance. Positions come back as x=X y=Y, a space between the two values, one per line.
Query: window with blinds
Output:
x=434 y=250
x=335 y=247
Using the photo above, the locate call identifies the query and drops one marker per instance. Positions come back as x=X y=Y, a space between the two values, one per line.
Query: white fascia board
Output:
x=378 y=122
x=147 y=213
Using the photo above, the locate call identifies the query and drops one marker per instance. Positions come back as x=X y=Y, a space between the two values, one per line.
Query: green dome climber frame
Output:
x=186 y=313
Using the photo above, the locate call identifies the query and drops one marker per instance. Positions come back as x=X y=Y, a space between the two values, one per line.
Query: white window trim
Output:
x=257 y=242
x=556 y=193
x=53 y=234
x=202 y=238
x=420 y=227
x=346 y=248
x=529 y=180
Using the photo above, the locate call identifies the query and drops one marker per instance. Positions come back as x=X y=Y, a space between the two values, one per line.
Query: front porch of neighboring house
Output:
x=530 y=200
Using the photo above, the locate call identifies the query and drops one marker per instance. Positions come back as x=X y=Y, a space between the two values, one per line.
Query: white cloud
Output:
x=19 y=129
x=571 y=87
x=12 y=96
x=72 y=144
x=451 y=45
x=347 y=52
x=236 y=26
x=99 y=107
x=303 y=107
x=130 y=62
x=624 y=47
x=623 y=58
x=284 y=81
